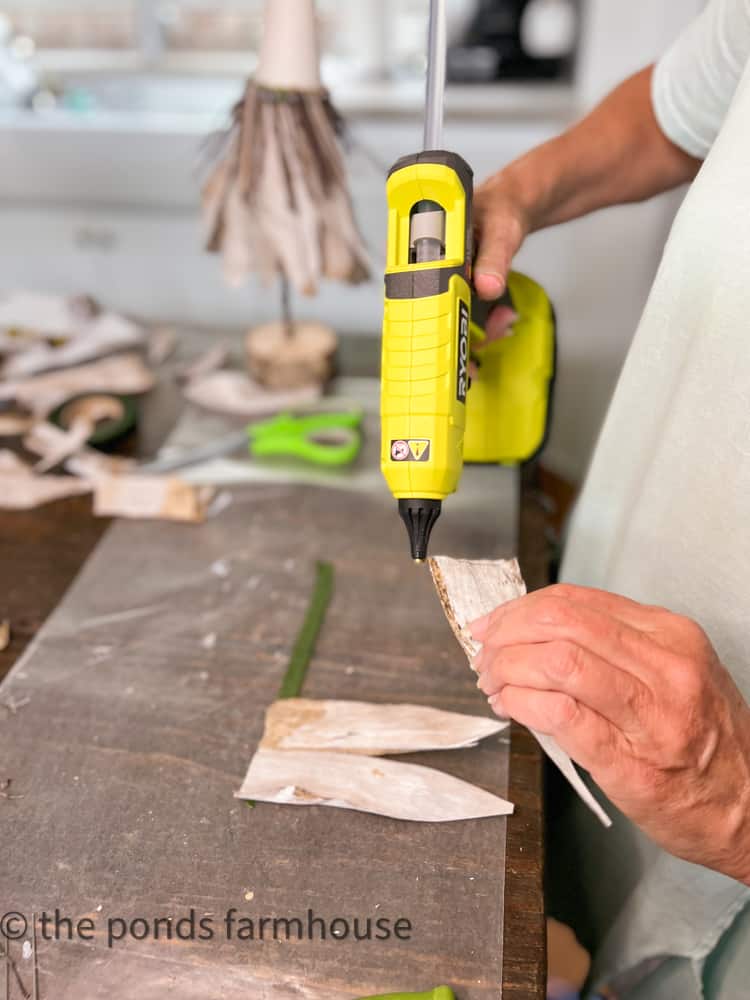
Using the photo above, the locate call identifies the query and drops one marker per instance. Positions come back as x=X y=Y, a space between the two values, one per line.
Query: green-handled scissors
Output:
x=326 y=439
x=321 y=438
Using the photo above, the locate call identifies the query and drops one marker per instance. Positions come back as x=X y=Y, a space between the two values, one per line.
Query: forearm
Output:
x=616 y=154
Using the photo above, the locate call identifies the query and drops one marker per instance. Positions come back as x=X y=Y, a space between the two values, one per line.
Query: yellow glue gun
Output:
x=433 y=418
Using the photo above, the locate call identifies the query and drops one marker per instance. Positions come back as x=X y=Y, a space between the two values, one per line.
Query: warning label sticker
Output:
x=410 y=450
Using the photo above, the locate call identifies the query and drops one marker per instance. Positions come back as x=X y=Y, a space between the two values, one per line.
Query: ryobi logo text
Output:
x=462 y=378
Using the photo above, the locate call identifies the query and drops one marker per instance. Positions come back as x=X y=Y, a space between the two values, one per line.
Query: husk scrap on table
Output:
x=43 y=332
x=142 y=496
x=364 y=728
x=118 y=490
x=22 y=489
x=121 y=373
x=54 y=445
x=368 y=784
x=470 y=589
x=234 y=393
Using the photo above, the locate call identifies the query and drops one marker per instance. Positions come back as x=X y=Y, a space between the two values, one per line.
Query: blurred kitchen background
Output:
x=105 y=106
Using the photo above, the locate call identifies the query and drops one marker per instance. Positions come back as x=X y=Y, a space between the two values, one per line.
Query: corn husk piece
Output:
x=163 y=497
x=212 y=359
x=234 y=393
x=162 y=343
x=42 y=332
x=27 y=492
x=364 y=728
x=367 y=784
x=54 y=445
x=122 y=373
x=14 y=424
x=471 y=589
x=117 y=491
x=21 y=489
x=12 y=464
x=92 y=465
x=98 y=338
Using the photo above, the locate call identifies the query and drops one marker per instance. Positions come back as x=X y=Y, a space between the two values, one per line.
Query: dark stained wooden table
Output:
x=40 y=553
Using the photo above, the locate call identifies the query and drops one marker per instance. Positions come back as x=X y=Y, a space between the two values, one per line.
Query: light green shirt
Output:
x=664 y=516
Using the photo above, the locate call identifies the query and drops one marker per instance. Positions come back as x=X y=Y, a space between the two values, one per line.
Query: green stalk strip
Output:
x=294 y=678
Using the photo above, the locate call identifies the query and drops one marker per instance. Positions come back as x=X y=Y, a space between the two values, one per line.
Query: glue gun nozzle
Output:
x=419 y=516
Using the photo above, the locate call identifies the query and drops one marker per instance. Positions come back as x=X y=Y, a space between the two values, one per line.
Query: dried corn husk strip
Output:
x=54 y=445
x=163 y=497
x=162 y=342
x=15 y=424
x=123 y=373
x=91 y=465
x=12 y=464
x=117 y=493
x=216 y=191
x=204 y=364
x=363 y=728
x=368 y=784
x=21 y=489
x=470 y=589
x=94 y=338
x=22 y=492
x=234 y=393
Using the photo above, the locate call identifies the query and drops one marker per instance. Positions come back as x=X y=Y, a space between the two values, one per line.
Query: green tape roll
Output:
x=114 y=416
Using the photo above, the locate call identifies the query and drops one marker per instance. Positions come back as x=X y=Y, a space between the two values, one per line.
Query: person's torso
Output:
x=664 y=517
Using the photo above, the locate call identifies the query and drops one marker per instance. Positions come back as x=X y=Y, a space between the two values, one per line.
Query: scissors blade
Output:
x=193 y=456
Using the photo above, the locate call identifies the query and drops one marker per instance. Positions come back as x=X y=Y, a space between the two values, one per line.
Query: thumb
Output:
x=499 y=238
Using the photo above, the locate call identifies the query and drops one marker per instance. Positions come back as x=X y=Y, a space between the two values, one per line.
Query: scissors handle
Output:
x=331 y=439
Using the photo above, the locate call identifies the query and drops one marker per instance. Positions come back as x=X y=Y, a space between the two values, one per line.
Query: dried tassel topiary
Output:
x=277 y=199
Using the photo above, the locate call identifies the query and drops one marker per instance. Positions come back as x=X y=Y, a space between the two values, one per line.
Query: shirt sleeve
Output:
x=695 y=80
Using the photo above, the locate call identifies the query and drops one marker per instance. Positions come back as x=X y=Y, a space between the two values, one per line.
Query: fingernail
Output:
x=495 y=703
x=486 y=685
x=476 y=662
x=491 y=282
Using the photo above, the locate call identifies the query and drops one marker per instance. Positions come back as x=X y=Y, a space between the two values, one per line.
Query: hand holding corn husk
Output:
x=468 y=590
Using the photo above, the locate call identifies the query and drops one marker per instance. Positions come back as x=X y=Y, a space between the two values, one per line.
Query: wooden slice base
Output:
x=278 y=361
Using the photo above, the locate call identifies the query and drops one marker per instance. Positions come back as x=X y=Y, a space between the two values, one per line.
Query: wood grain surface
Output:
x=136 y=735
